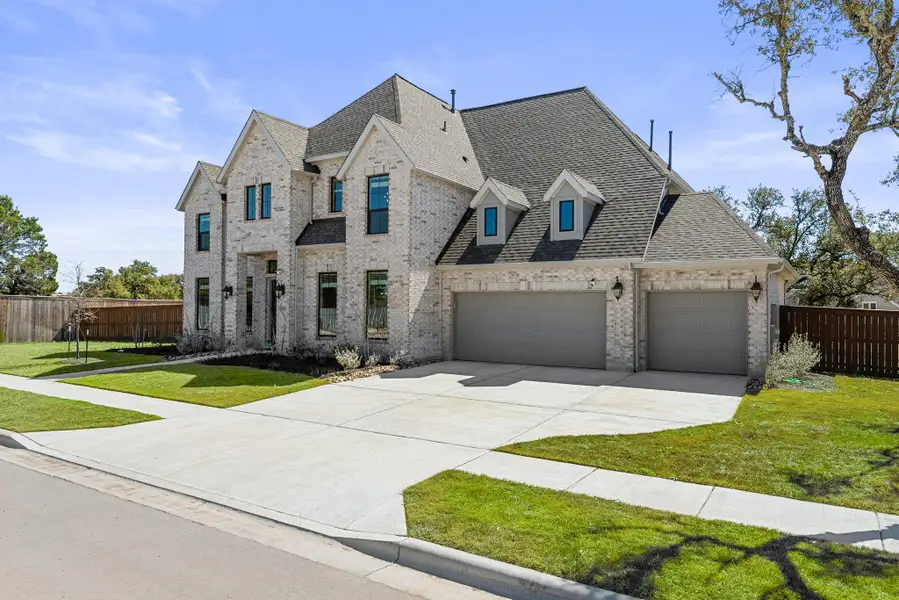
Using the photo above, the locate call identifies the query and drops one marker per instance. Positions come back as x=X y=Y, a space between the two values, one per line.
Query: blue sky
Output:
x=106 y=105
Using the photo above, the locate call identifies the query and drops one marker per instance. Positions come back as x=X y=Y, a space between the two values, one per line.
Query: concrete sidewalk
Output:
x=834 y=523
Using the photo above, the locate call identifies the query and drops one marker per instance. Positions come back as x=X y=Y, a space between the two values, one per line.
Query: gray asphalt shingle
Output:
x=323 y=231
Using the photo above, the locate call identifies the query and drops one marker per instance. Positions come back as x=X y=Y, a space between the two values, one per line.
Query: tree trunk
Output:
x=857 y=237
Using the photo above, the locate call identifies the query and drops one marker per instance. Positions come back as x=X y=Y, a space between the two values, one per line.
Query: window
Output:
x=869 y=305
x=336 y=195
x=376 y=305
x=327 y=304
x=490 y=221
x=271 y=267
x=266 y=201
x=249 y=303
x=566 y=215
x=378 y=200
x=202 y=302
x=251 y=202
x=203 y=231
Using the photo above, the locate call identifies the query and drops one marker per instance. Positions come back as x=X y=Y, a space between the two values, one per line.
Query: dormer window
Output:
x=490 y=221
x=498 y=206
x=573 y=198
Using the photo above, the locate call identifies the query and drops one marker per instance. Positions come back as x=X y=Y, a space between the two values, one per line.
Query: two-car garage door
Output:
x=531 y=328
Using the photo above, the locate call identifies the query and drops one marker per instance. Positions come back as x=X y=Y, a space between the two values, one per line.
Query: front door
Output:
x=271 y=312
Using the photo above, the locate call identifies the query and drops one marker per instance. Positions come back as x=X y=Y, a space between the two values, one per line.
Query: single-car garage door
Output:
x=532 y=328
x=703 y=332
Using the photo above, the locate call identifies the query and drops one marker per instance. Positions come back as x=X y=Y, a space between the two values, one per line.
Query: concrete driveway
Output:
x=342 y=454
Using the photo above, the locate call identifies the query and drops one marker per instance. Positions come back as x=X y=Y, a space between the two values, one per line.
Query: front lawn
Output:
x=839 y=447
x=51 y=358
x=218 y=386
x=26 y=412
x=642 y=552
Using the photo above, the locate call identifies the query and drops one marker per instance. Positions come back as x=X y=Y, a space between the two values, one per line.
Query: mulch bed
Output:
x=157 y=350
x=278 y=362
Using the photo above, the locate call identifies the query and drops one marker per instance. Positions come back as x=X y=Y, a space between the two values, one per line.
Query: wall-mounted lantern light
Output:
x=280 y=289
x=227 y=292
x=617 y=289
x=756 y=290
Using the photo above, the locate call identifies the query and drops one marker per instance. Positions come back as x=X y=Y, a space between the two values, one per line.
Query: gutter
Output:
x=599 y=262
x=717 y=263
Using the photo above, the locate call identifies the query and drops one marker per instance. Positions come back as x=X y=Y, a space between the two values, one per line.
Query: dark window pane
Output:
x=378 y=203
x=377 y=221
x=251 y=202
x=490 y=221
x=327 y=304
x=203 y=232
x=266 y=201
x=249 y=302
x=376 y=305
x=566 y=215
x=271 y=267
x=336 y=195
x=202 y=302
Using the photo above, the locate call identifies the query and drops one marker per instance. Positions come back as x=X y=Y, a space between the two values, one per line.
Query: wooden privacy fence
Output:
x=42 y=318
x=854 y=341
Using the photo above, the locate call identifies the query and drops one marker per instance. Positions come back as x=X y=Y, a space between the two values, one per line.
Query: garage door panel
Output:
x=697 y=331
x=541 y=328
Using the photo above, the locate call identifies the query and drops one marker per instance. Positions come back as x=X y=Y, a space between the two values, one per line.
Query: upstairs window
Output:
x=251 y=203
x=566 y=215
x=266 y=201
x=378 y=201
x=336 y=195
x=490 y=221
x=869 y=305
x=203 y=232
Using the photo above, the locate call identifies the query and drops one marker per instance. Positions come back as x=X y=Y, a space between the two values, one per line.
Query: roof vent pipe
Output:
x=453 y=105
x=670 y=137
x=652 y=126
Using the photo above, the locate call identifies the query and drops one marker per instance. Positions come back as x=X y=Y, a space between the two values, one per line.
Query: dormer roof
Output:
x=585 y=188
x=507 y=194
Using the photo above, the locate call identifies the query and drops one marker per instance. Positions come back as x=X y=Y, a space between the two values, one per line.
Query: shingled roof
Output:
x=290 y=137
x=212 y=172
x=323 y=231
x=527 y=143
x=701 y=226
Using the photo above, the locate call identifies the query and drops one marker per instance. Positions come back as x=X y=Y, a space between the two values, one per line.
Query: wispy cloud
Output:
x=223 y=95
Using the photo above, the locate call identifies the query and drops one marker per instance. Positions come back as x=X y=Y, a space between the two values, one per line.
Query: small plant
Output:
x=400 y=357
x=348 y=357
x=373 y=360
x=794 y=362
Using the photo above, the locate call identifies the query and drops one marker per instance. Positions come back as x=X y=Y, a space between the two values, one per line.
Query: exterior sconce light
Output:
x=756 y=289
x=280 y=289
x=227 y=292
x=617 y=289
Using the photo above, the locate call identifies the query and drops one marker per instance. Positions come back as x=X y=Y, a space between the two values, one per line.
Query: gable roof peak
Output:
x=202 y=168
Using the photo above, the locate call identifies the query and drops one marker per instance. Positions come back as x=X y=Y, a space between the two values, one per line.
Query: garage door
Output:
x=704 y=332
x=532 y=328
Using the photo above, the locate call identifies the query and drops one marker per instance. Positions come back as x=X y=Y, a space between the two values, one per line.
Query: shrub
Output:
x=348 y=357
x=198 y=342
x=796 y=361
x=373 y=360
x=400 y=357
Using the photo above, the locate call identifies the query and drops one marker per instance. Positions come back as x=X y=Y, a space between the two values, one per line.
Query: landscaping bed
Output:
x=837 y=447
x=219 y=386
x=38 y=359
x=169 y=350
x=24 y=412
x=278 y=362
x=641 y=552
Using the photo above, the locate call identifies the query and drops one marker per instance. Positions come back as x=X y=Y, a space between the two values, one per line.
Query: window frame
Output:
x=197 y=298
x=248 y=214
x=371 y=211
x=248 y=308
x=262 y=203
x=562 y=228
x=321 y=289
x=271 y=266
x=495 y=212
x=200 y=232
x=336 y=194
x=369 y=275
x=870 y=305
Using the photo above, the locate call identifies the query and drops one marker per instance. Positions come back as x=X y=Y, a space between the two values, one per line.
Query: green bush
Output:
x=796 y=361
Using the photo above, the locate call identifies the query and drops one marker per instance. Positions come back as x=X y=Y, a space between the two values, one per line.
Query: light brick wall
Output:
x=514 y=277
x=313 y=262
x=321 y=203
x=710 y=280
x=203 y=198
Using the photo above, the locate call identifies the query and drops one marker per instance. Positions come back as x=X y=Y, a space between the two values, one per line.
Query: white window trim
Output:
x=869 y=305
x=583 y=199
x=490 y=195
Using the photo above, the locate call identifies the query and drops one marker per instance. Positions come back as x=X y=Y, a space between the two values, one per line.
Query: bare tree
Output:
x=791 y=33
x=80 y=312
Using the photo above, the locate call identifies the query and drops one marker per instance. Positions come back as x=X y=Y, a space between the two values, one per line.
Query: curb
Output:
x=492 y=576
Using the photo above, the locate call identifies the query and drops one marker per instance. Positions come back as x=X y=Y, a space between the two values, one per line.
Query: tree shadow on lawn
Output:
x=636 y=575
x=203 y=376
x=97 y=359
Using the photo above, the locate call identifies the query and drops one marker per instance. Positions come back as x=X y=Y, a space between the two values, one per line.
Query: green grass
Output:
x=642 y=552
x=839 y=447
x=50 y=358
x=25 y=412
x=218 y=386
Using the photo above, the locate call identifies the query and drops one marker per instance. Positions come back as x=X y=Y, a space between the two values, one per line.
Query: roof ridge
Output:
x=357 y=98
x=418 y=87
x=535 y=97
x=265 y=114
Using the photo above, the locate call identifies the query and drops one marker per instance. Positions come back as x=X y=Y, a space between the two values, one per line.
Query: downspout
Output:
x=635 y=274
x=223 y=272
x=637 y=312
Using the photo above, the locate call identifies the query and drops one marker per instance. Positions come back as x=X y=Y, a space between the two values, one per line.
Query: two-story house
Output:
x=536 y=231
